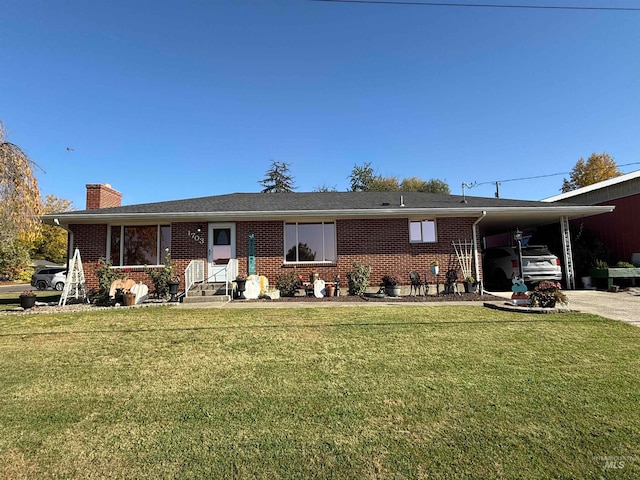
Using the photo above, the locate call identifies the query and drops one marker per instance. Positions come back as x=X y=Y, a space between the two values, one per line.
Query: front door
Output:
x=221 y=248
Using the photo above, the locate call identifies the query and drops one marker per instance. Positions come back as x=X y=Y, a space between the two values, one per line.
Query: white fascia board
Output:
x=595 y=186
x=94 y=218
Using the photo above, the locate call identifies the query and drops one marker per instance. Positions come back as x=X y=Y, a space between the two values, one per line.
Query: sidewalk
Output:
x=623 y=306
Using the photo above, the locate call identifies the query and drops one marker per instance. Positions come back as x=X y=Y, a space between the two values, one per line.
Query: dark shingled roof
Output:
x=311 y=201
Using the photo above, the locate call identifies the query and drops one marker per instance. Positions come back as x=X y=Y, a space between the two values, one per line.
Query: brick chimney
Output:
x=102 y=196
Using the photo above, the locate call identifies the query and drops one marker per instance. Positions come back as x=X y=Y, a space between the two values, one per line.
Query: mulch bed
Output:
x=462 y=297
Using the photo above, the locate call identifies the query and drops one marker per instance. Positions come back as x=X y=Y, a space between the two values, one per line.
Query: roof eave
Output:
x=572 y=211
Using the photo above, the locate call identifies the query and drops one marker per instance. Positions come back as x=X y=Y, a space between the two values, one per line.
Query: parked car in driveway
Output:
x=500 y=265
x=49 y=278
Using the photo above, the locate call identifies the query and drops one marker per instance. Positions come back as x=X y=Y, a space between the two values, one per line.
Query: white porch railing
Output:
x=193 y=274
x=231 y=273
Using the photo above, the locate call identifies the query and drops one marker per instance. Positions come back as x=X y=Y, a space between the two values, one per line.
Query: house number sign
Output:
x=195 y=236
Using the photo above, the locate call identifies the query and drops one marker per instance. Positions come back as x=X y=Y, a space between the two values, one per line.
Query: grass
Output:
x=389 y=392
x=11 y=300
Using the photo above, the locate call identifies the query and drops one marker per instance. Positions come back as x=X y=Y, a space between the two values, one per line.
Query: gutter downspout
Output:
x=69 y=238
x=475 y=249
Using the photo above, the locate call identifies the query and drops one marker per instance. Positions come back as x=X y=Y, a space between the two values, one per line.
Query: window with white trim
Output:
x=310 y=242
x=139 y=244
x=423 y=231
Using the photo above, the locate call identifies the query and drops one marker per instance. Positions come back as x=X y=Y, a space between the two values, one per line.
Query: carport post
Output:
x=518 y=238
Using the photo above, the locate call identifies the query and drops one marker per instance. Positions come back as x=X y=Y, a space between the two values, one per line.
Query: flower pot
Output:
x=241 y=287
x=392 y=290
x=469 y=287
x=173 y=290
x=129 y=299
x=434 y=269
x=27 y=301
x=330 y=290
x=547 y=302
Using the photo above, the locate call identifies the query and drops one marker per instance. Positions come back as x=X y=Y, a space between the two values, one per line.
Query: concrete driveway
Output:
x=15 y=287
x=624 y=305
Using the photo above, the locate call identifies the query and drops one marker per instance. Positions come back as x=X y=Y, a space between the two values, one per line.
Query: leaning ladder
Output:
x=568 y=256
x=75 y=284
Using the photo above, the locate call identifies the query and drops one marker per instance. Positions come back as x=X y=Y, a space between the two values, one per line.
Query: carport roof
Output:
x=310 y=205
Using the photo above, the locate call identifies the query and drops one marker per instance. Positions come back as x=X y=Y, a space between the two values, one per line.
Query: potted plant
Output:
x=173 y=284
x=27 y=299
x=546 y=294
x=129 y=298
x=391 y=285
x=164 y=280
x=470 y=284
x=330 y=290
x=435 y=267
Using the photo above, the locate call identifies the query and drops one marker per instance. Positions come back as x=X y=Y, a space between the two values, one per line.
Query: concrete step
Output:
x=208 y=293
x=207 y=289
x=207 y=299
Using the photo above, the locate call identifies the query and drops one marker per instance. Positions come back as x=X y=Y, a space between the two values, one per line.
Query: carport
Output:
x=500 y=224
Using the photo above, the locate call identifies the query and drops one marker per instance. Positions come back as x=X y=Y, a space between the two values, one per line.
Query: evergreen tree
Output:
x=278 y=179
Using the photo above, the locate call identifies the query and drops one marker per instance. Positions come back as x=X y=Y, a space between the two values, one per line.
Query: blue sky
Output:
x=177 y=99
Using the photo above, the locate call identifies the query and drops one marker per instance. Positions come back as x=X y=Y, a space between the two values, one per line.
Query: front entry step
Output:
x=208 y=292
x=208 y=299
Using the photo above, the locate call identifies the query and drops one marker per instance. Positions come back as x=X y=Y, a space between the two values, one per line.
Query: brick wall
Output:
x=91 y=240
x=102 y=196
x=381 y=243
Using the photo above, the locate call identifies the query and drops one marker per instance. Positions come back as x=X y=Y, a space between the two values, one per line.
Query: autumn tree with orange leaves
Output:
x=597 y=168
x=20 y=207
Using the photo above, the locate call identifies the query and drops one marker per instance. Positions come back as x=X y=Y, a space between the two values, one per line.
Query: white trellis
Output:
x=75 y=285
x=464 y=252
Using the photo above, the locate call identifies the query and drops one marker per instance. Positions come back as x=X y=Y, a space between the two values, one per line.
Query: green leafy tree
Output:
x=415 y=184
x=436 y=185
x=51 y=242
x=20 y=207
x=384 y=184
x=14 y=260
x=325 y=188
x=597 y=168
x=361 y=177
x=278 y=179
x=364 y=179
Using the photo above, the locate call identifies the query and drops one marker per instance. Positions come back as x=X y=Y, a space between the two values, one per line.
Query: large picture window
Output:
x=310 y=242
x=423 y=231
x=139 y=244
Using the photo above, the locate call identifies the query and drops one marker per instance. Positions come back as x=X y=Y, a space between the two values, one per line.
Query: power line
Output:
x=481 y=5
x=541 y=176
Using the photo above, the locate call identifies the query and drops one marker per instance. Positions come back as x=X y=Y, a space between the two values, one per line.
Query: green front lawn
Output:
x=353 y=392
x=11 y=300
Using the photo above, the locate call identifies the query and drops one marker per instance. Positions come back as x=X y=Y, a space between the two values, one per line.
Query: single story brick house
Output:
x=275 y=233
